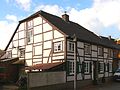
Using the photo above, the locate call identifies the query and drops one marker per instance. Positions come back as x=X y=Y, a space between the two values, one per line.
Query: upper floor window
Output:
x=100 y=51
x=22 y=52
x=29 y=36
x=58 y=46
x=30 y=24
x=87 y=49
x=110 y=66
x=110 y=52
x=71 y=46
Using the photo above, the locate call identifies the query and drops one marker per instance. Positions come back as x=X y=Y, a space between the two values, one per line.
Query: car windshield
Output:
x=118 y=71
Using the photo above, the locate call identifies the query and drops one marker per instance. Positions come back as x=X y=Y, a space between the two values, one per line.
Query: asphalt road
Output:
x=106 y=86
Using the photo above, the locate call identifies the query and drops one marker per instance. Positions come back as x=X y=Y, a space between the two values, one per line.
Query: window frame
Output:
x=22 y=52
x=101 y=67
x=87 y=69
x=87 y=48
x=100 y=51
x=56 y=47
x=71 y=67
x=71 y=46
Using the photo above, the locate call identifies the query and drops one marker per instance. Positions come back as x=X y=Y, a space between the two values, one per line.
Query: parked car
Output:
x=116 y=76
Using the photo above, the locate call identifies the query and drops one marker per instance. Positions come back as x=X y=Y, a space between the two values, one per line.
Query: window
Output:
x=100 y=51
x=86 y=67
x=30 y=24
x=87 y=49
x=71 y=46
x=22 y=52
x=29 y=32
x=110 y=67
x=71 y=67
x=29 y=36
x=110 y=52
x=57 y=46
x=101 y=67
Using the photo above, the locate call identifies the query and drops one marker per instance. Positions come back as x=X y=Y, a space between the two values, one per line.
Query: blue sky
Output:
x=99 y=16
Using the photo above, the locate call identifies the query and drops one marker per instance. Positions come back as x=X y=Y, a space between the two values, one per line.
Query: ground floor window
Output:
x=110 y=66
x=86 y=67
x=101 y=67
x=71 y=67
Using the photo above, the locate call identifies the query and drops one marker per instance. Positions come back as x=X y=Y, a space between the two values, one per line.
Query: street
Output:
x=106 y=86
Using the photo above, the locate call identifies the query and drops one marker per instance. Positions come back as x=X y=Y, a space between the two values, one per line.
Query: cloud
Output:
x=7 y=27
x=24 y=4
x=53 y=9
x=11 y=18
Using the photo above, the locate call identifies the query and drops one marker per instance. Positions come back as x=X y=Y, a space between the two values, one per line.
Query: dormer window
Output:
x=58 y=46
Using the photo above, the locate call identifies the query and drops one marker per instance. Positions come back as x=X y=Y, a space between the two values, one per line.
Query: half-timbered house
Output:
x=44 y=42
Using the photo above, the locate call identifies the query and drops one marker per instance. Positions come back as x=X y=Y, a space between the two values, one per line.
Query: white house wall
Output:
x=40 y=50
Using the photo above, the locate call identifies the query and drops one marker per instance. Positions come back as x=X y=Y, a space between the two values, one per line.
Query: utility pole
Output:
x=75 y=62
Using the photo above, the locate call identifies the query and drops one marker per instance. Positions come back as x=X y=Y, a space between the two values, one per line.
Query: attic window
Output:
x=30 y=24
x=58 y=46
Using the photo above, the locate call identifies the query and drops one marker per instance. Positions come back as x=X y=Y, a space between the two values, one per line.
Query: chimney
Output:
x=65 y=17
x=109 y=37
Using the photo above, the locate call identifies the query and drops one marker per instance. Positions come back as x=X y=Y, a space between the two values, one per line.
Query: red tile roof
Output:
x=43 y=66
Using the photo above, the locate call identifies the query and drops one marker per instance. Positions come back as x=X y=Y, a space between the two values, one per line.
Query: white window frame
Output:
x=22 y=53
x=100 y=51
x=29 y=36
x=71 y=67
x=110 y=52
x=87 y=48
x=87 y=67
x=71 y=46
x=101 y=67
x=58 y=46
x=110 y=66
x=30 y=24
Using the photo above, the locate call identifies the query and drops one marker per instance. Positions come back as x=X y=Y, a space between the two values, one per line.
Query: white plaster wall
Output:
x=28 y=48
x=94 y=47
x=46 y=53
x=57 y=34
x=81 y=52
x=100 y=75
x=21 y=34
x=37 y=38
x=37 y=21
x=16 y=36
x=47 y=44
x=94 y=54
x=59 y=39
x=21 y=42
x=37 y=50
x=37 y=60
x=58 y=57
x=48 y=36
x=45 y=60
x=28 y=55
x=28 y=62
x=46 y=27
x=80 y=44
x=38 y=29
x=15 y=43
x=21 y=27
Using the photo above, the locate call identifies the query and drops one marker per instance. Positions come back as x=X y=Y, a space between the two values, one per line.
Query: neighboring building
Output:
x=44 y=42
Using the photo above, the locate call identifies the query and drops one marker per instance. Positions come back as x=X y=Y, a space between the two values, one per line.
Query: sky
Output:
x=99 y=16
